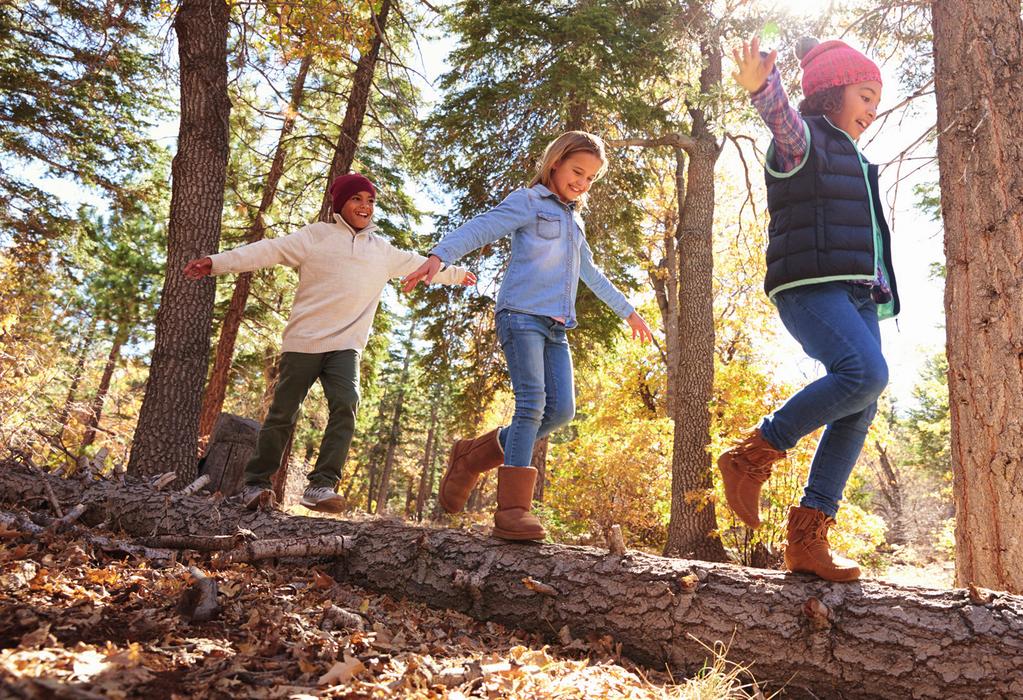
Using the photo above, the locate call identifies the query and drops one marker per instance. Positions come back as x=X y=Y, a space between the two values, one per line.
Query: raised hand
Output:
x=753 y=68
x=198 y=268
x=639 y=328
x=424 y=273
x=469 y=279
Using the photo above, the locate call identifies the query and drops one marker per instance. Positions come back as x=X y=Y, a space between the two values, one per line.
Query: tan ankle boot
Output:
x=513 y=521
x=468 y=459
x=807 y=550
x=744 y=469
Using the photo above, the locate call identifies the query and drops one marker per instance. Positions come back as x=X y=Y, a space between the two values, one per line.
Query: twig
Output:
x=109 y=545
x=163 y=480
x=212 y=543
x=321 y=546
x=539 y=587
x=196 y=485
x=54 y=503
x=73 y=515
x=20 y=522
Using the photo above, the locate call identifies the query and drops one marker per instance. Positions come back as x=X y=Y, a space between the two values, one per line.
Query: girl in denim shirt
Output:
x=535 y=306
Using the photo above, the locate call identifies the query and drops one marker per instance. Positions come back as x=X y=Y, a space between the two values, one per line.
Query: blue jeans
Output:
x=540 y=366
x=837 y=325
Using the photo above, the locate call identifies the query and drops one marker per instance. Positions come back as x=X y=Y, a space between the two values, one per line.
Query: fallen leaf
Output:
x=322 y=581
x=35 y=638
x=342 y=672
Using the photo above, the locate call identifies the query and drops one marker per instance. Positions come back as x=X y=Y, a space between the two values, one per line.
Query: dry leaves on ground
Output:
x=77 y=623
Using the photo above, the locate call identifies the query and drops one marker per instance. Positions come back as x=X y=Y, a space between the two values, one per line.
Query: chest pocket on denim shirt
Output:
x=548 y=225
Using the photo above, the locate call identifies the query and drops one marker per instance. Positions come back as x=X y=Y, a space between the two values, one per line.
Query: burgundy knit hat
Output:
x=345 y=186
x=832 y=64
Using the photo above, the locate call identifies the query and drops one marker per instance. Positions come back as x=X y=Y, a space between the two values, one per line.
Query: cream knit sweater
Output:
x=341 y=275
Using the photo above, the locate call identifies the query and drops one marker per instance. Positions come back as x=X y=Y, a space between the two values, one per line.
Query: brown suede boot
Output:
x=807 y=550
x=468 y=459
x=513 y=521
x=744 y=469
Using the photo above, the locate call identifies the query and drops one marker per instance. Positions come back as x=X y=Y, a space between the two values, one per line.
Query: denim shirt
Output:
x=549 y=254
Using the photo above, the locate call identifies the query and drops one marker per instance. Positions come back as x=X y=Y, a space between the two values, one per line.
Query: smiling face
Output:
x=573 y=176
x=358 y=210
x=859 y=108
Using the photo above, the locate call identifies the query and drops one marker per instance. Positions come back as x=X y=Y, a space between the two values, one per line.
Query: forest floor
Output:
x=76 y=622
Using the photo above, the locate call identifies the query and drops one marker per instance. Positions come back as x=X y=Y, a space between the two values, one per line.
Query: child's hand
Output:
x=753 y=68
x=639 y=328
x=198 y=268
x=470 y=279
x=424 y=272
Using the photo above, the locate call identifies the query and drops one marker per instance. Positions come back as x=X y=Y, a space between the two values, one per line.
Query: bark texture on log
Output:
x=978 y=83
x=864 y=640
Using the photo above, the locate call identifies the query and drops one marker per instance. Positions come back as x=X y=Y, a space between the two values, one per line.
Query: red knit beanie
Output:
x=345 y=186
x=833 y=64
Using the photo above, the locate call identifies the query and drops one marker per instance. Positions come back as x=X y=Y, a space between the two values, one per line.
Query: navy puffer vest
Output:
x=821 y=227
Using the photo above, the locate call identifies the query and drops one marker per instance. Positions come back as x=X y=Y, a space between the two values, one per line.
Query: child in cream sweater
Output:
x=342 y=268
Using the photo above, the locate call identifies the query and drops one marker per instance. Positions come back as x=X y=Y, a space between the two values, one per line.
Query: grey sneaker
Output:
x=256 y=497
x=323 y=498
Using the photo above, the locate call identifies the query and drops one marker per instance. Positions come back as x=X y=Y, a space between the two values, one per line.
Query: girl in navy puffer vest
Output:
x=830 y=274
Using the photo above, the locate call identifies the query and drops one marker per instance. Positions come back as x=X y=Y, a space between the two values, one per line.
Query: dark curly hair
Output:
x=827 y=101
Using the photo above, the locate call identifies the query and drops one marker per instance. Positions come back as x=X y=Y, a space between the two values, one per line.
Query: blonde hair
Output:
x=566 y=145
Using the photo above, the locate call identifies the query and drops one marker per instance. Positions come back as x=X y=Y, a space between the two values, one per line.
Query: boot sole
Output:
x=806 y=570
x=730 y=473
x=536 y=535
x=329 y=506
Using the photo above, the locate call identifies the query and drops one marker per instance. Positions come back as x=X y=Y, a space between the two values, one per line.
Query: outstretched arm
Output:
x=404 y=262
x=287 y=250
x=757 y=74
x=514 y=212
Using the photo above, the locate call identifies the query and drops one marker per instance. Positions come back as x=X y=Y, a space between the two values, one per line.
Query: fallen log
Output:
x=863 y=640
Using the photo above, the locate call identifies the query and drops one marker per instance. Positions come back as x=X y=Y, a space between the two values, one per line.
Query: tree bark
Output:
x=693 y=520
x=355 y=111
x=216 y=388
x=978 y=53
x=426 y=476
x=862 y=640
x=394 y=434
x=891 y=489
x=166 y=437
x=538 y=461
x=64 y=417
x=96 y=411
x=683 y=287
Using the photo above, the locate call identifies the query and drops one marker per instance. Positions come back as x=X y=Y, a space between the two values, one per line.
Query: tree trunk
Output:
x=684 y=295
x=863 y=640
x=355 y=112
x=216 y=388
x=978 y=53
x=426 y=477
x=230 y=449
x=64 y=417
x=394 y=434
x=891 y=490
x=96 y=411
x=539 y=462
x=693 y=524
x=166 y=437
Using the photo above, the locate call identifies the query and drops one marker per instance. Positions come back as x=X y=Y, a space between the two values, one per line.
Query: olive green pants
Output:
x=338 y=372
